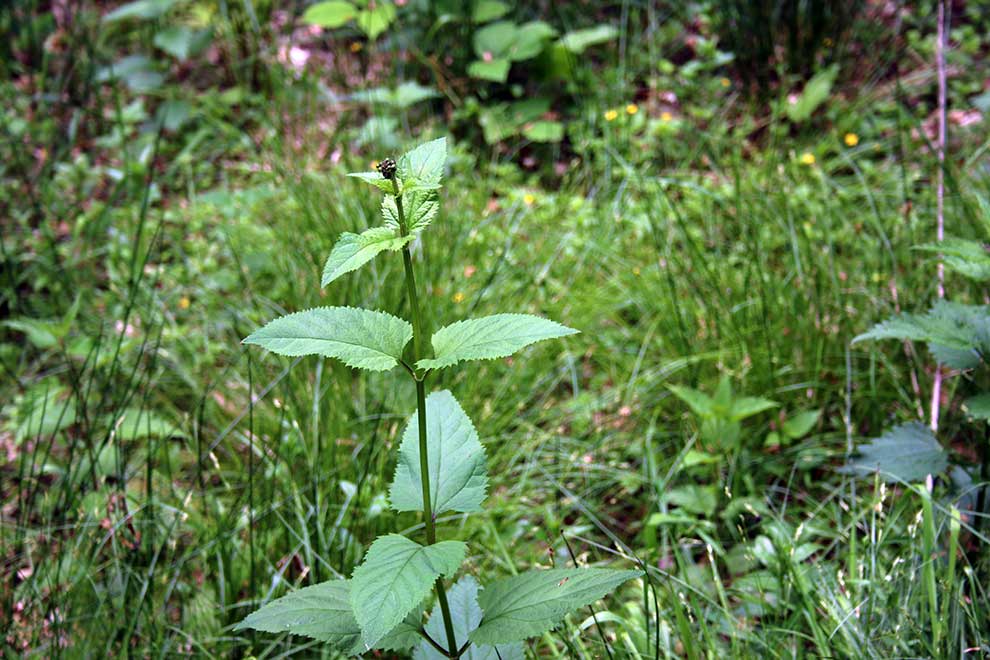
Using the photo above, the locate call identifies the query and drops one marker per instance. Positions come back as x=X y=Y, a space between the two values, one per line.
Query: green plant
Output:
x=372 y=18
x=441 y=465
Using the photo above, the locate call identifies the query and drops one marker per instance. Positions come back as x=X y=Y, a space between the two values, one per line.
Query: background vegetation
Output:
x=720 y=195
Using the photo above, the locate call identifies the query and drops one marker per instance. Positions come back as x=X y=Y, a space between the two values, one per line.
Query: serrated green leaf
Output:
x=402 y=638
x=377 y=180
x=420 y=207
x=458 y=478
x=577 y=41
x=423 y=166
x=360 y=338
x=466 y=615
x=490 y=337
x=322 y=612
x=395 y=577
x=534 y=602
x=968 y=258
x=908 y=452
x=331 y=14
x=951 y=326
x=355 y=250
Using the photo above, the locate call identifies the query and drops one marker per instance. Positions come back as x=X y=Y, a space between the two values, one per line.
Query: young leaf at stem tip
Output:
x=360 y=338
x=490 y=337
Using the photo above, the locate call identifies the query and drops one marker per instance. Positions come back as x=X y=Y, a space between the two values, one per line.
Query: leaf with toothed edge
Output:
x=490 y=337
x=394 y=578
x=355 y=250
x=465 y=616
x=458 y=478
x=360 y=338
x=322 y=611
x=532 y=603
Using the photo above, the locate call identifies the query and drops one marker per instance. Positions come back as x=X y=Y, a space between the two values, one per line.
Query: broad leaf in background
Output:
x=978 y=406
x=465 y=614
x=405 y=95
x=355 y=250
x=395 y=577
x=815 y=92
x=322 y=612
x=331 y=14
x=138 y=72
x=458 y=478
x=141 y=9
x=577 y=41
x=908 y=452
x=488 y=10
x=360 y=338
x=490 y=337
x=181 y=42
x=544 y=131
x=376 y=19
x=534 y=602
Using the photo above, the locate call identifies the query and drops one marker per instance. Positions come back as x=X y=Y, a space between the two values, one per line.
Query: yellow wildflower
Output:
x=611 y=115
x=356 y=46
x=666 y=116
x=725 y=82
x=632 y=109
x=458 y=297
x=851 y=139
x=807 y=158
x=184 y=303
x=528 y=199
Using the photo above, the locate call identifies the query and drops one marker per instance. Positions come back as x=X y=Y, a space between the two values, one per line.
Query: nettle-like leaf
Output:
x=952 y=325
x=466 y=615
x=424 y=164
x=534 y=602
x=394 y=578
x=377 y=180
x=419 y=206
x=490 y=337
x=355 y=250
x=360 y=338
x=968 y=258
x=458 y=478
x=908 y=452
x=322 y=612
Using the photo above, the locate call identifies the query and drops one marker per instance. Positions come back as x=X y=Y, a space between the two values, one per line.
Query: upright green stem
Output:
x=424 y=462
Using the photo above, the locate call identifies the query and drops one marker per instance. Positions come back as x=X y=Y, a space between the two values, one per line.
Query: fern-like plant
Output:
x=441 y=463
